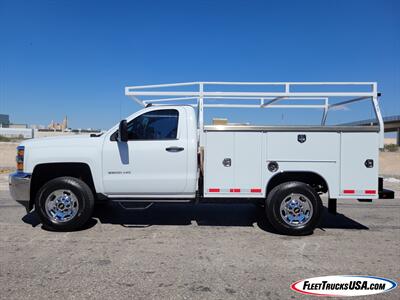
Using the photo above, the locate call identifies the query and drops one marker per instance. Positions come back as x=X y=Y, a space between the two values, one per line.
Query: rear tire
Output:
x=64 y=204
x=294 y=208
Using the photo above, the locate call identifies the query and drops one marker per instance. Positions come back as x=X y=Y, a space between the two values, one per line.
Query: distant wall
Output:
x=18 y=126
x=39 y=134
x=26 y=133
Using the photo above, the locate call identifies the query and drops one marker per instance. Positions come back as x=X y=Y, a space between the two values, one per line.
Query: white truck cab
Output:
x=158 y=159
x=165 y=153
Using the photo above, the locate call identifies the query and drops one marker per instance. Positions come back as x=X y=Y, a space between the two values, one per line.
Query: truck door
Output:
x=153 y=161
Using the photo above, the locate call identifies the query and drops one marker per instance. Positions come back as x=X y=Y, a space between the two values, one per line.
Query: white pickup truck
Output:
x=165 y=153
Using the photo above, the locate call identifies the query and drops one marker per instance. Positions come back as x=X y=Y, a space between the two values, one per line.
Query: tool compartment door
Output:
x=218 y=179
x=243 y=177
x=356 y=179
x=248 y=164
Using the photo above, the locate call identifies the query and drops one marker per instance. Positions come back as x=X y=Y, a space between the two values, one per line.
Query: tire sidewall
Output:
x=279 y=193
x=84 y=199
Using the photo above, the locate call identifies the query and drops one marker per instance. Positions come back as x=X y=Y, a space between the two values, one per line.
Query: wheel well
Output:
x=42 y=173
x=315 y=180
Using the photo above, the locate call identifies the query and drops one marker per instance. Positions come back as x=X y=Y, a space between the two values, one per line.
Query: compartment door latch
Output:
x=301 y=138
x=227 y=162
x=369 y=163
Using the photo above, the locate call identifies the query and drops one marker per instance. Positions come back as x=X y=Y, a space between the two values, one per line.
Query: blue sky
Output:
x=75 y=57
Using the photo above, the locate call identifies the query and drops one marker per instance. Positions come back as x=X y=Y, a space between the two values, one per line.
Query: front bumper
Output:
x=20 y=188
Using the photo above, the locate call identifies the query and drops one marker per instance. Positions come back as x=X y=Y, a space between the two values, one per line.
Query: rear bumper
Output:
x=20 y=188
x=384 y=193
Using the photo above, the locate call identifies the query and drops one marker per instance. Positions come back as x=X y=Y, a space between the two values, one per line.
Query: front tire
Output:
x=294 y=208
x=64 y=204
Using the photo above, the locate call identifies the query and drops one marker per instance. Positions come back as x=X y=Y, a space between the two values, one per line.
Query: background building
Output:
x=4 y=120
x=59 y=126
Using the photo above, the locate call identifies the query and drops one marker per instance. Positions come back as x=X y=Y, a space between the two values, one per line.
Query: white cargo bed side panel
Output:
x=356 y=180
x=219 y=145
x=248 y=163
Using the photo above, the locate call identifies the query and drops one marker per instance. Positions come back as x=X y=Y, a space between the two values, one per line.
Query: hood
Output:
x=62 y=141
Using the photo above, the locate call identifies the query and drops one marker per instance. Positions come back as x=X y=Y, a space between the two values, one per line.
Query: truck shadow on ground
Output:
x=200 y=214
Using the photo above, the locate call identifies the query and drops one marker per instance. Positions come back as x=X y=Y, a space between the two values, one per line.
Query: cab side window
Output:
x=154 y=125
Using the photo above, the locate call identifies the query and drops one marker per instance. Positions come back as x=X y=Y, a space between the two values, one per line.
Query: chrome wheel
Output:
x=296 y=210
x=61 y=206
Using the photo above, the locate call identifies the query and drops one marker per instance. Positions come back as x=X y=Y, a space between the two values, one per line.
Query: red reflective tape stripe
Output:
x=234 y=190
x=370 y=191
x=349 y=191
x=213 y=190
x=255 y=190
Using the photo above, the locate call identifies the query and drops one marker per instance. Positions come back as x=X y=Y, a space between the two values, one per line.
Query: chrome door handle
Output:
x=174 y=149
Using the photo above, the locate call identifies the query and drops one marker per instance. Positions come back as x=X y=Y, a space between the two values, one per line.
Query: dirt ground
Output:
x=389 y=161
x=7 y=154
x=389 y=164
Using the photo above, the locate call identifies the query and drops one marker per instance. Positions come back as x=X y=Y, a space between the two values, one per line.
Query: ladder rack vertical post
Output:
x=201 y=113
x=378 y=115
x=287 y=88
x=325 y=114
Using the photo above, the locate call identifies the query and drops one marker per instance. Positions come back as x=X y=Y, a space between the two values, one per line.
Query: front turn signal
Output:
x=20 y=158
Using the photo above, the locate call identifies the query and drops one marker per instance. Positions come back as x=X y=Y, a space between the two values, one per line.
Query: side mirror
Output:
x=123 y=131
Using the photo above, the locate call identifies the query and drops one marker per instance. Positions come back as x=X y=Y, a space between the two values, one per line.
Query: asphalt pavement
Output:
x=187 y=251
